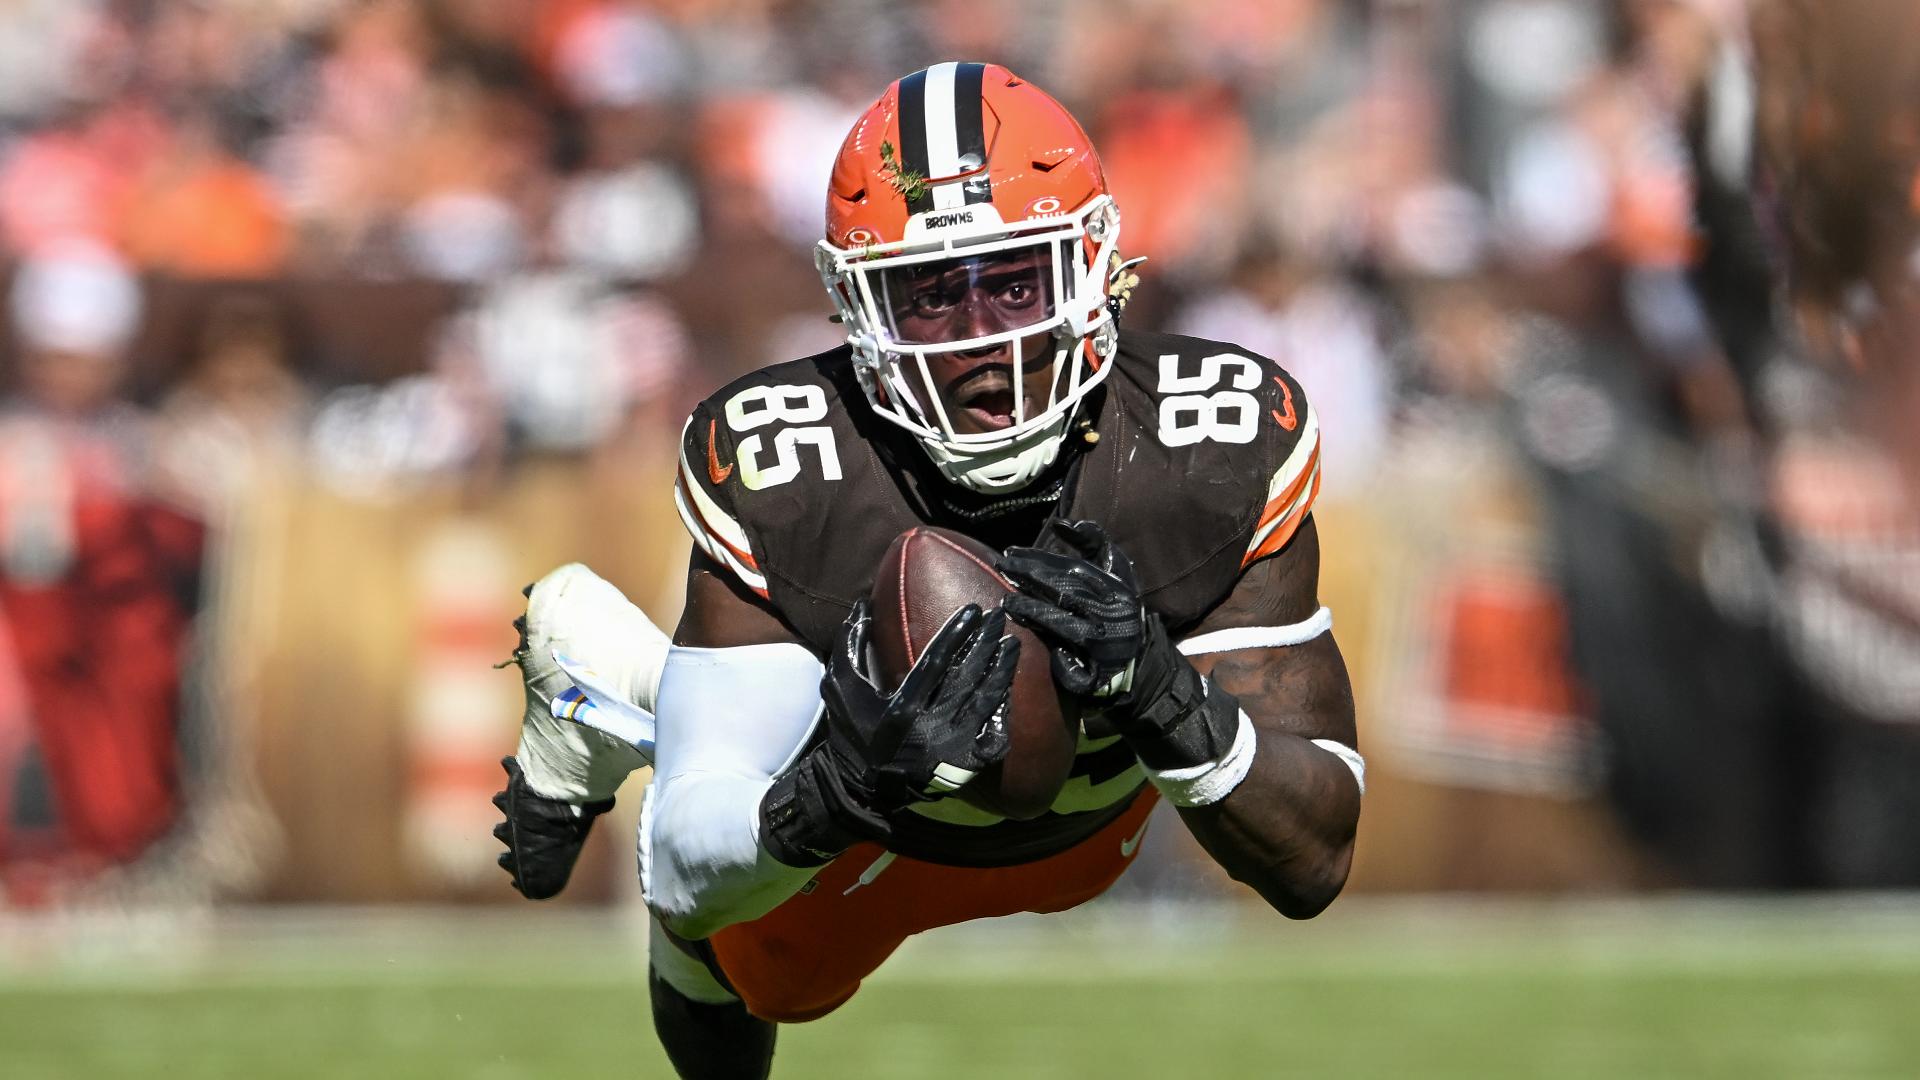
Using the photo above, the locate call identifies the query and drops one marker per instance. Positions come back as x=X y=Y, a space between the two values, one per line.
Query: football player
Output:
x=1152 y=495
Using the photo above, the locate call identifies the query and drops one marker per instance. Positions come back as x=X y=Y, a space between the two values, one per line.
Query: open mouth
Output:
x=985 y=395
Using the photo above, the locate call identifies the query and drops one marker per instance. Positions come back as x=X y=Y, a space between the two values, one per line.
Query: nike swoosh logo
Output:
x=714 y=472
x=1128 y=845
x=1287 y=420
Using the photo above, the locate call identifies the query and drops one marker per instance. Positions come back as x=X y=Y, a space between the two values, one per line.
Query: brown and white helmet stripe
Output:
x=943 y=136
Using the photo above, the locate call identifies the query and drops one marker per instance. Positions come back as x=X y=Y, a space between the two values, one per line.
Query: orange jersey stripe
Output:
x=745 y=557
x=1284 y=530
x=1278 y=505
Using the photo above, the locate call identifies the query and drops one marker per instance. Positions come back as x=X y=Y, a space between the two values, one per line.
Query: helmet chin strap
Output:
x=1005 y=469
x=1011 y=467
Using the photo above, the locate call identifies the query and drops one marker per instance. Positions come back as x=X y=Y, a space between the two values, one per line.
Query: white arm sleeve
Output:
x=729 y=720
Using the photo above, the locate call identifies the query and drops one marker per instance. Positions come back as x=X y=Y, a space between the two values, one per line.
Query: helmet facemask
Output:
x=1036 y=289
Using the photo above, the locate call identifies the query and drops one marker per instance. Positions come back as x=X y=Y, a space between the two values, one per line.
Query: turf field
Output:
x=1434 y=987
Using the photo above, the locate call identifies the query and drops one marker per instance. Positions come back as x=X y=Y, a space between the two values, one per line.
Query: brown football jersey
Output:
x=1197 y=457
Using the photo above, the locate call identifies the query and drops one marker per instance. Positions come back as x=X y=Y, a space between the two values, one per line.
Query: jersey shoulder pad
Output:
x=761 y=461
x=1237 y=427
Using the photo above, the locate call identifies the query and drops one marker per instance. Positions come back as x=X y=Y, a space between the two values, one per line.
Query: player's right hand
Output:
x=543 y=835
x=946 y=722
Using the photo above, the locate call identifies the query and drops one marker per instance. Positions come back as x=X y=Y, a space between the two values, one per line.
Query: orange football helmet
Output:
x=957 y=173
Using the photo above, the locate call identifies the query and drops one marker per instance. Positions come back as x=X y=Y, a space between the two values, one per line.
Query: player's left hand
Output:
x=1078 y=593
x=543 y=835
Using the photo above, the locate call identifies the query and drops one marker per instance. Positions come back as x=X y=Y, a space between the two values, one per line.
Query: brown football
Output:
x=927 y=575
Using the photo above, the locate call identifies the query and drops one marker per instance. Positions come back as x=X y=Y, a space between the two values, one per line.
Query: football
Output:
x=928 y=574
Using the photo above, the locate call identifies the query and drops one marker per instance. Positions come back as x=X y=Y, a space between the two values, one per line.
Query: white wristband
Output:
x=1349 y=757
x=1206 y=784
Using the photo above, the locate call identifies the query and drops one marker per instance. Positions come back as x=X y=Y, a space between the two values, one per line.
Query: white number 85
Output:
x=1193 y=410
x=758 y=406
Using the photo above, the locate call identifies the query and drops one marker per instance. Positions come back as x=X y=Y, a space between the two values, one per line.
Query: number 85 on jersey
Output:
x=758 y=406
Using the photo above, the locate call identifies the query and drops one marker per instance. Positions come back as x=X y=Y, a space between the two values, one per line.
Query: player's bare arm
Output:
x=720 y=613
x=1287 y=830
x=1253 y=742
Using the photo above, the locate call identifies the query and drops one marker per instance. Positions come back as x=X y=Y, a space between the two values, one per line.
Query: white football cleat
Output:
x=575 y=613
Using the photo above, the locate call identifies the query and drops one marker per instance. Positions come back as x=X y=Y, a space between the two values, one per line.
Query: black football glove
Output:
x=1079 y=595
x=543 y=835
x=1083 y=600
x=946 y=722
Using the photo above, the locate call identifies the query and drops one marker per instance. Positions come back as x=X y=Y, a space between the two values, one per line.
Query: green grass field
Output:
x=1403 y=988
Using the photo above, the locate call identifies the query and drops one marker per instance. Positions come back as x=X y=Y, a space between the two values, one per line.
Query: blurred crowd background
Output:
x=331 y=323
